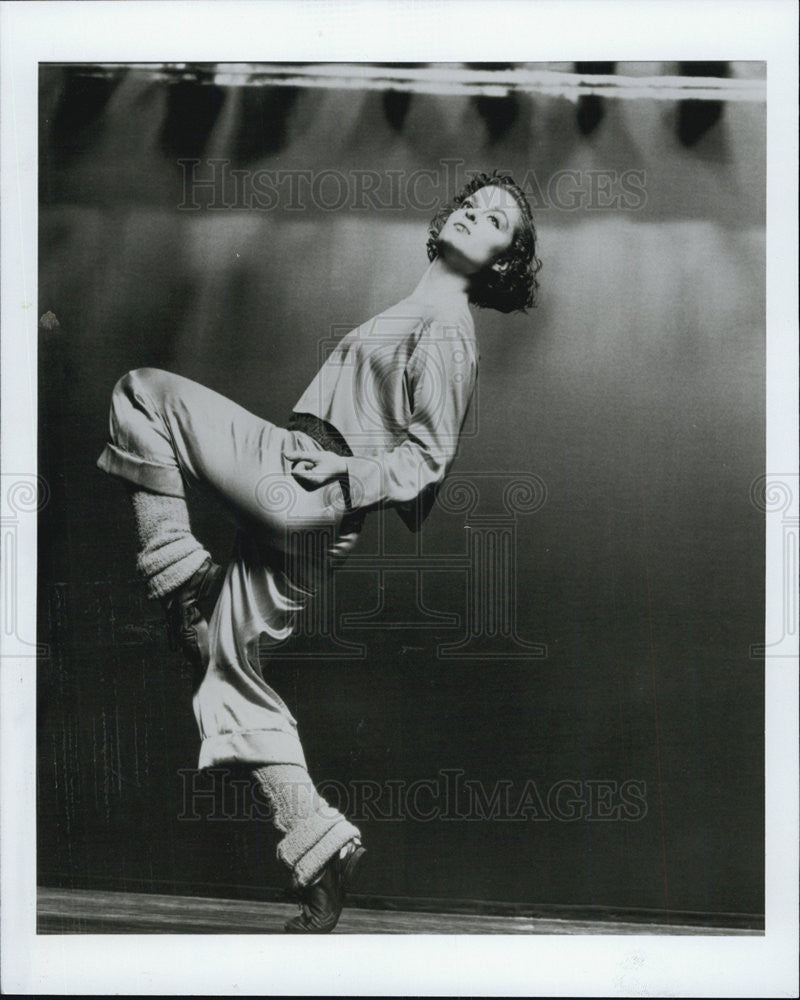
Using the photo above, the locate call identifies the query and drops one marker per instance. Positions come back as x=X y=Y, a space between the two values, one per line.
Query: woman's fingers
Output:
x=314 y=468
x=299 y=456
x=307 y=478
x=304 y=468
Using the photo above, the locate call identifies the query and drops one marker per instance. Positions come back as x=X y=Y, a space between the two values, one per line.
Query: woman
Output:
x=378 y=426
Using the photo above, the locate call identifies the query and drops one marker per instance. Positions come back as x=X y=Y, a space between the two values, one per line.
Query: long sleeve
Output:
x=439 y=382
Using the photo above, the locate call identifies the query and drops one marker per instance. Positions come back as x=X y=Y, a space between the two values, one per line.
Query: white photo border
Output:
x=363 y=30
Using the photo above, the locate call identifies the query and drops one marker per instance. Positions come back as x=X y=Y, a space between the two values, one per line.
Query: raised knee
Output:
x=149 y=380
x=151 y=377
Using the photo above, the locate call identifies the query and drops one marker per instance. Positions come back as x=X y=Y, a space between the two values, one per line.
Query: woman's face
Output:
x=480 y=229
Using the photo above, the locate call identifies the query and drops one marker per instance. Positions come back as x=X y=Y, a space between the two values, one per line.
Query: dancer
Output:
x=378 y=426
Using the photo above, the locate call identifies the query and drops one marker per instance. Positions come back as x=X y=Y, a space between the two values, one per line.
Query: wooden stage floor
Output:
x=82 y=911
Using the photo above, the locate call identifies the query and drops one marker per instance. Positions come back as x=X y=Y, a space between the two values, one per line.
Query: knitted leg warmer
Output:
x=314 y=830
x=169 y=553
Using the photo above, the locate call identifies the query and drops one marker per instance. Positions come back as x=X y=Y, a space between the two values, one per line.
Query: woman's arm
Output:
x=314 y=469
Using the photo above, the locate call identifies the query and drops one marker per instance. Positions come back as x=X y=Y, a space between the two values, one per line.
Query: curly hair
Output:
x=515 y=288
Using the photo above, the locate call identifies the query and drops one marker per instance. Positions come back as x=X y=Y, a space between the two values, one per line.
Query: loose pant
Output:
x=167 y=433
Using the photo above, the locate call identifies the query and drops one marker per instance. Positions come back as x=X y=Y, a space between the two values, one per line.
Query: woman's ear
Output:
x=501 y=266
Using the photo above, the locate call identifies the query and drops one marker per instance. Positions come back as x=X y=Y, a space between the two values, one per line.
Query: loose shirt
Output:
x=398 y=388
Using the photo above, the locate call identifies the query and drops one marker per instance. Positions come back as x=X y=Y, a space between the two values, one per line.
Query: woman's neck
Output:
x=443 y=285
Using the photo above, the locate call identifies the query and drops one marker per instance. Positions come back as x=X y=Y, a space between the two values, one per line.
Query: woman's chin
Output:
x=456 y=259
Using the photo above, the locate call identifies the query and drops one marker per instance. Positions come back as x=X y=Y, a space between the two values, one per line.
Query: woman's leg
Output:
x=320 y=847
x=167 y=431
x=177 y=569
x=242 y=719
x=169 y=554
x=314 y=829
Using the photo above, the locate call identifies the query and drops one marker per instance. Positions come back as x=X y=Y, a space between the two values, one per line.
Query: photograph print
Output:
x=401 y=498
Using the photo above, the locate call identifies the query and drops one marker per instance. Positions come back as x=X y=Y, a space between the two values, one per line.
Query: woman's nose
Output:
x=469 y=214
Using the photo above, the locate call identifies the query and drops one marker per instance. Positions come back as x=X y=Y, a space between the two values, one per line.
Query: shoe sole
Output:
x=353 y=870
x=209 y=593
x=193 y=641
x=207 y=602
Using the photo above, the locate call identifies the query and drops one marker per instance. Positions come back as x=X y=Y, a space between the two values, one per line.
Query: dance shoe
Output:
x=321 y=902
x=188 y=609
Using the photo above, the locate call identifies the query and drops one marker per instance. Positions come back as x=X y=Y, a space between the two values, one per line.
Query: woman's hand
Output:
x=315 y=468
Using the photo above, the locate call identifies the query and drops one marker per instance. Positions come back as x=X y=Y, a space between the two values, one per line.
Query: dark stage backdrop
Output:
x=621 y=770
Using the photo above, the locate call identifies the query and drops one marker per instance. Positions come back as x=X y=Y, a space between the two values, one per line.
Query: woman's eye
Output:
x=495 y=221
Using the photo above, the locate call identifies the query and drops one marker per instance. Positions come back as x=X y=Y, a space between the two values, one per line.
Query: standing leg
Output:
x=320 y=847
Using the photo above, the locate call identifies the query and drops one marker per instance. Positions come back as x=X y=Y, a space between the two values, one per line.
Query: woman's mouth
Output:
x=461 y=228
